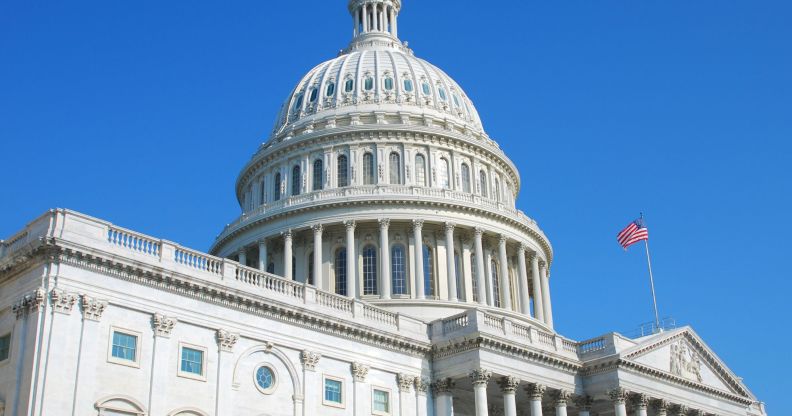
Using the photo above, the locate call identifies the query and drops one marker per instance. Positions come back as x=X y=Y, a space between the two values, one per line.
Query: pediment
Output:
x=681 y=353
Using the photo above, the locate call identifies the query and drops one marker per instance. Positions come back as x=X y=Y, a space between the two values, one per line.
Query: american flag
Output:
x=633 y=233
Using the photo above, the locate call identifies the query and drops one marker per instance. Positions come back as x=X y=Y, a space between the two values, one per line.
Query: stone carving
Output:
x=359 y=372
x=226 y=340
x=641 y=400
x=480 y=376
x=584 y=402
x=619 y=395
x=443 y=386
x=405 y=382
x=162 y=325
x=685 y=362
x=509 y=384
x=421 y=385
x=681 y=410
x=384 y=223
x=535 y=391
x=561 y=397
x=661 y=406
x=92 y=308
x=418 y=224
x=29 y=303
x=310 y=359
x=62 y=301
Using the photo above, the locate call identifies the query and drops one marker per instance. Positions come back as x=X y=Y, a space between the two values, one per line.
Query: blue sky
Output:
x=142 y=113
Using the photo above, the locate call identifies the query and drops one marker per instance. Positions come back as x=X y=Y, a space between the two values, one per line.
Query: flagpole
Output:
x=651 y=284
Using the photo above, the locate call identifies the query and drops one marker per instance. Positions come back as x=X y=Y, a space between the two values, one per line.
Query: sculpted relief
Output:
x=685 y=362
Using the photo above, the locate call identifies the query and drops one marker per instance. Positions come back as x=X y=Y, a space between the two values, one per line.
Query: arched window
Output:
x=296 y=179
x=408 y=85
x=263 y=192
x=298 y=102
x=341 y=272
x=465 y=178
x=314 y=94
x=398 y=267
x=369 y=270
x=497 y=193
x=442 y=93
x=427 y=90
x=271 y=268
x=330 y=89
x=459 y=279
x=395 y=169
x=368 y=83
x=420 y=170
x=276 y=187
x=318 y=175
x=368 y=169
x=119 y=406
x=349 y=85
x=495 y=286
x=445 y=183
x=474 y=280
x=249 y=198
x=483 y=183
x=310 y=277
x=389 y=83
x=343 y=169
x=428 y=271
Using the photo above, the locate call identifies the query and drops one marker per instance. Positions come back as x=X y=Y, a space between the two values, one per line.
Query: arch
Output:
x=370 y=276
x=368 y=168
x=341 y=271
x=429 y=275
x=296 y=179
x=342 y=171
x=188 y=411
x=122 y=404
x=276 y=187
x=269 y=349
x=318 y=175
x=420 y=170
x=395 y=168
x=443 y=174
x=398 y=269
x=465 y=178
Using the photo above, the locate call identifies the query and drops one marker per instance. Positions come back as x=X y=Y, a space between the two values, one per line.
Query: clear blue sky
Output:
x=142 y=113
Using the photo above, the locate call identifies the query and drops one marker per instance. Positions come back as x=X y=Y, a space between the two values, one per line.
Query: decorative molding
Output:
x=62 y=301
x=310 y=359
x=421 y=385
x=480 y=376
x=162 y=325
x=443 y=386
x=359 y=371
x=30 y=303
x=92 y=308
x=405 y=382
x=535 y=391
x=226 y=340
x=509 y=384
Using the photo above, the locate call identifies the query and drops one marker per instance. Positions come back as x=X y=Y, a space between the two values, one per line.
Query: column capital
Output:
x=92 y=308
x=421 y=385
x=618 y=395
x=443 y=386
x=418 y=223
x=349 y=224
x=449 y=227
x=359 y=371
x=384 y=223
x=681 y=410
x=62 y=301
x=502 y=239
x=310 y=359
x=478 y=232
x=317 y=228
x=640 y=400
x=162 y=325
x=480 y=376
x=584 y=402
x=535 y=391
x=287 y=234
x=561 y=397
x=509 y=384
x=226 y=340
x=662 y=406
x=522 y=248
x=405 y=382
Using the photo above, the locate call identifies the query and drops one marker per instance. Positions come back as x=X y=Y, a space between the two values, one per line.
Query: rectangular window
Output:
x=124 y=346
x=5 y=346
x=192 y=361
x=333 y=392
x=380 y=402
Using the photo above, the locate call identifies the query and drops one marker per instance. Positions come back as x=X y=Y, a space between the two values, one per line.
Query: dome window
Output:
x=408 y=85
x=368 y=84
x=389 y=83
x=298 y=102
x=456 y=100
x=427 y=90
x=349 y=85
x=442 y=93
x=330 y=89
x=313 y=95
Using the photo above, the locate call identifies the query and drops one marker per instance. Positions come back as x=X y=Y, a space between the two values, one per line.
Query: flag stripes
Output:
x=636 y=231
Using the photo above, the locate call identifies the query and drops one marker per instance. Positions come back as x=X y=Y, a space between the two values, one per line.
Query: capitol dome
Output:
x=379 y=183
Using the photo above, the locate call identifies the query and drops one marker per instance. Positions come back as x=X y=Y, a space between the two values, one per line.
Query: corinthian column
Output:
x=619 y=396
x=641 y=402
x=481 y=282
x=525 y=307
x=351 y=260
x=317 y=257
x=287 y=255
x=480 y=377
x=584 y=404
x=508 y=387
x=537 y=288
x=560 y=398
x=504 y=274
x=451 y=264
x=385 y=257
x=444 y=401
x=535 y=392
x=418 y=254
x=548 y=307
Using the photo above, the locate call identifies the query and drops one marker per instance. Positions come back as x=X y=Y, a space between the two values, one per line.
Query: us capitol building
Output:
x=379 y=267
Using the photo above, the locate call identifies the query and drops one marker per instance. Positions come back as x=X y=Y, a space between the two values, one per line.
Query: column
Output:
x=419 y=263
x=365 y=18
x=92 y=310
x=525 y=299
x=537 y=288
x=451 y=269
x=356 y=18
x=393 y=21
x=312 y=382
x=548 y=308
x=480 y=377
x=351 y=260
x=243 y=256
x=641 y=402
x=480 y=276
x=406 y=398
x=661 y=407
x=361 y=403
x=421 y=385
x=160 y=363
x=535 y=392
x=317 y=257
x=444 y=401
x=287 y=255
x=508 y=387
x=225 y=369
x=584 y=404
x=504 y=274
x=560 y=398
x=619 y=396
x=58 y=378
x=385 y=286
x=262 y=263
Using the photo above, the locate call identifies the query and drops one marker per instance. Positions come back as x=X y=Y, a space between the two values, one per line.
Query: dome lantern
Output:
x=375 y=17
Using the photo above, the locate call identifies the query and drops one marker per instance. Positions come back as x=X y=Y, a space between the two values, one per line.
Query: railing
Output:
x=546 y=339
x=455 y=323
x=379 y=315
x=596 y=344
x=13 y=244
x=334 y=301
x=198 y=260
x=521 y=331
x=134 y=241
x=568 y=345
x=492 y=321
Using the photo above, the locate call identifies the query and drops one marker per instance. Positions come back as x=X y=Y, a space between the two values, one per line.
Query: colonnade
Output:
x=618 y=399
x=376 y=16
x=503 y=279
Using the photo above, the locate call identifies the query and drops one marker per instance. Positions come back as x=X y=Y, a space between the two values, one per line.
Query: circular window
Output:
x=265 y=378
